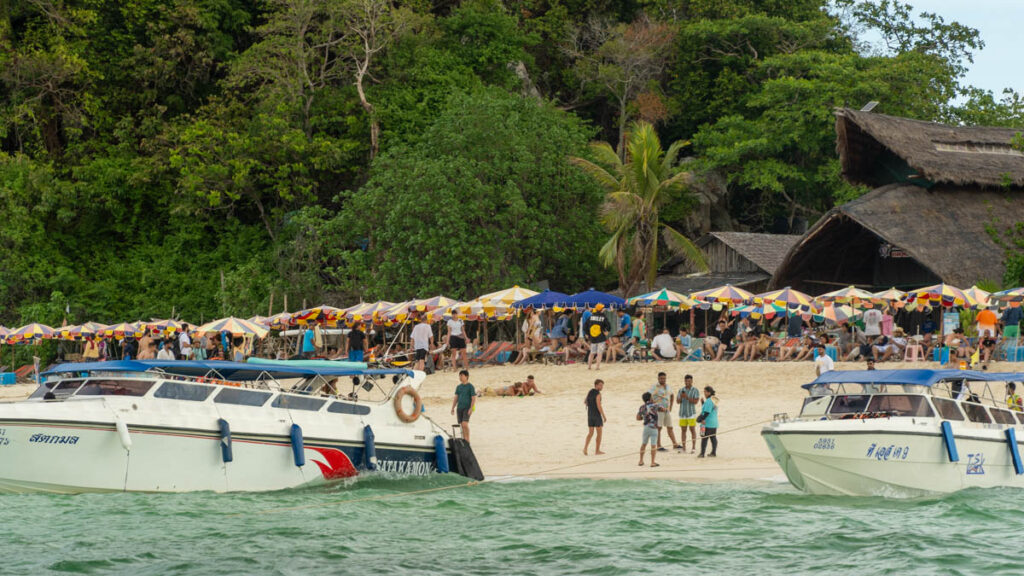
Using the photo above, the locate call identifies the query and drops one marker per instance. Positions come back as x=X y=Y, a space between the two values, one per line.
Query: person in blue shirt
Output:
x=709 y=422
x=308 y=345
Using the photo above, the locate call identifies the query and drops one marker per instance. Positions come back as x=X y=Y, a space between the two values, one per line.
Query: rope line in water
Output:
x=473 y=483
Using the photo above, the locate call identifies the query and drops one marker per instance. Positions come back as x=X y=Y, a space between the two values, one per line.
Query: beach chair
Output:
x=484 y=355
x=695 y=352
x=498 y=355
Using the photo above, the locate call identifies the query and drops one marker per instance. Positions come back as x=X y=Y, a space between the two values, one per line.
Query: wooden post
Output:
x=270 y=308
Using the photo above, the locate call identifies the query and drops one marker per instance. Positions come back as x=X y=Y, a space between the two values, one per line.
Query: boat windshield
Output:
x=112 y=387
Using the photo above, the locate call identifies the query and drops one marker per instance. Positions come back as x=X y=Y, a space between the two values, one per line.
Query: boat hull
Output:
x=77 y=446
x=889 y=458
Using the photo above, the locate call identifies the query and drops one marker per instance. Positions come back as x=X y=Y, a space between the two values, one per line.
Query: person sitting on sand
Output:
x=663 y=347
x=576 y=348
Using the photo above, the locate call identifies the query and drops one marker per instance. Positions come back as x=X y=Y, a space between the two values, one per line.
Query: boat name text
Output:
x=48 y=439
x=890 y=452
x=404 y=467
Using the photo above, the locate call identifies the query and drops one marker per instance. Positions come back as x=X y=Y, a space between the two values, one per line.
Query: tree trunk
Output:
x=374 y=124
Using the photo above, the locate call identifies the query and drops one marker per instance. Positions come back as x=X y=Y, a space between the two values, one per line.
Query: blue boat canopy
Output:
x=918 y=377
x=237 y=371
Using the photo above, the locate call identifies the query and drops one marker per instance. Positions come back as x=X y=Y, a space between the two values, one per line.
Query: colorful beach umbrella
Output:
x=792 y=299
x=663 y=298
x=317 y=314
x=280 y=321
x=123 y=329
x=941 y=294
x=32 y=332
x=979 y=297
x=234 y=326
x=890 y=296
x=836 y=314
x=367 y=311
x=164 y=326
x=848 y=295
x=506 y=297
x=1009 y=295
x=755 y=311
x=87 y=330
x=724 y=294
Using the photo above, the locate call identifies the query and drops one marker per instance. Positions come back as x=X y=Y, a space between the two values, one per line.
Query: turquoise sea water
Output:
x=515 y=527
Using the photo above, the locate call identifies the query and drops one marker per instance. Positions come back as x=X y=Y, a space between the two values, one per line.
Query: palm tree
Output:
x=636 y=191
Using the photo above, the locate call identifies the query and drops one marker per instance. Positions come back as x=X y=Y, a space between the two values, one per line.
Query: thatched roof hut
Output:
x=941 y=193
x=875 y=149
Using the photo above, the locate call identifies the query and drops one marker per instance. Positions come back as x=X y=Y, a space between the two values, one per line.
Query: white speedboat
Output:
x=175 y=426
x=901 y=433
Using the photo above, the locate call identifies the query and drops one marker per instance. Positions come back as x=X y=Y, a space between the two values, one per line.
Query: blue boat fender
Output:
x=947 y=438
x=370 y=449
x=298 y=448
x=1011 y=441
x=441 y=451
x=225 y=440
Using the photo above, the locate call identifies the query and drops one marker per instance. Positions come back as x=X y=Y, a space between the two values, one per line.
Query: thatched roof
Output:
x=876 y=149
x=944 y=229
x=765 y=250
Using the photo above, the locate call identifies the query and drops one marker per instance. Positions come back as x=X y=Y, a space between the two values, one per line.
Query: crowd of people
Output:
x=600 y=335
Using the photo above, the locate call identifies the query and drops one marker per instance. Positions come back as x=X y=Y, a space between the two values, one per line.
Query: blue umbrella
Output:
x=591 y=298
x=546 y=299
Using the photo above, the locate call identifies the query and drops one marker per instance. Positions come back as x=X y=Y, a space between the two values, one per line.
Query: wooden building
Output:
x=941 y=195
x=742 y=259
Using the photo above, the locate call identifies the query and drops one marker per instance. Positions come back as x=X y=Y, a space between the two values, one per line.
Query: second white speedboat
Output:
x=901 y=433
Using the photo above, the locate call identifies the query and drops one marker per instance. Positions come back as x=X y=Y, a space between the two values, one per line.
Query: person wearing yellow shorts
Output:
x=688 y=397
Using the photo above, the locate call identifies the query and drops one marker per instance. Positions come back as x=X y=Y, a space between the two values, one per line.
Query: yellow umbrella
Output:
x=234 y=326
x=506 y=297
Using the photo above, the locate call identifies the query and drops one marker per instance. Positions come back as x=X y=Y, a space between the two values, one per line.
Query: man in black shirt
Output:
x=596 y=331
x=595 y=416
x=356 y=343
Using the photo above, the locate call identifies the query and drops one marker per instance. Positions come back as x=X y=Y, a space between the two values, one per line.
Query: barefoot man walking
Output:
x=595 y=416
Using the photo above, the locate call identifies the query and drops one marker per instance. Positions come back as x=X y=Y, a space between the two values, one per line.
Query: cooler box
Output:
x=8 y=378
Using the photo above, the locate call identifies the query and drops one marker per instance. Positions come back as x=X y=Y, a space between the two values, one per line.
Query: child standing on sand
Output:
x=648 y=413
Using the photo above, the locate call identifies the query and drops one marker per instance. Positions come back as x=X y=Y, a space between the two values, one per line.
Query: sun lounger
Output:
x=495 y=353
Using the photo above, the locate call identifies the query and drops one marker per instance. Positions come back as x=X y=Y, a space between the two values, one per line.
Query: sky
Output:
x=1000 y=23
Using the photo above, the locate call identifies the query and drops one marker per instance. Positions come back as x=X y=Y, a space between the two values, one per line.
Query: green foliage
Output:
x=635 y=192
x=193 y=157
x=484 y=200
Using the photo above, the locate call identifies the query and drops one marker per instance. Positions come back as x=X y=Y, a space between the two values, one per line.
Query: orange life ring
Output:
x=417 y=404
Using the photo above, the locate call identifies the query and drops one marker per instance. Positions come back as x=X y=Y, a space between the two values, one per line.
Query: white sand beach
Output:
x=543 y=435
